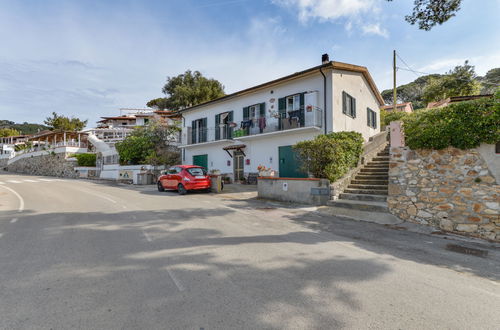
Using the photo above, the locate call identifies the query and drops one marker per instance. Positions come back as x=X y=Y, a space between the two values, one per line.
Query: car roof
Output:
x=187 y=166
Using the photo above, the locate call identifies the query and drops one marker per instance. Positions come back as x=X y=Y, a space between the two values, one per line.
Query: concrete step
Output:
x=360 y=205
x=366 y=191
x=363 y=197
x=380 y=217
x=374 y=170
x=381 y=158
x=370 y=182
x=377 y=165
x=372 y=177
x=368 y=186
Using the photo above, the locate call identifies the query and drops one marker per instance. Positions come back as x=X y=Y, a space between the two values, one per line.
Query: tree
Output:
x=458 y=82
x=4 y=132
x=60 y=122
x=411 y=92
x=490 y=82
x=150 y=144
x=188 y=89
x=158 y=104
x=428 y=13
x=24 y=128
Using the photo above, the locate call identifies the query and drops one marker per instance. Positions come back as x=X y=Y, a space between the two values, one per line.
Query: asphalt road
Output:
x=85 y=255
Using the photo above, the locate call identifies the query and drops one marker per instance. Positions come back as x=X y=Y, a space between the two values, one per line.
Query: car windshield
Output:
x=194 y=171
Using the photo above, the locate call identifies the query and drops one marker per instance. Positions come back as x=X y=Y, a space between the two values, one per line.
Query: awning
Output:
x=238 y=147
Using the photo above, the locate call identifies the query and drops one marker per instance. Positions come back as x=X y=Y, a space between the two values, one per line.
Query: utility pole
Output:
x=394 y=91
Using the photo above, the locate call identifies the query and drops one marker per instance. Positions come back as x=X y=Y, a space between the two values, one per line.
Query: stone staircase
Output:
x=367 y=191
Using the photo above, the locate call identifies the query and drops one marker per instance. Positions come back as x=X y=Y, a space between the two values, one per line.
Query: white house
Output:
x=259 y=125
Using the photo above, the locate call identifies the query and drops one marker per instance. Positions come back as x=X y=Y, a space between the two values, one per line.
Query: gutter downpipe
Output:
x=324 y=96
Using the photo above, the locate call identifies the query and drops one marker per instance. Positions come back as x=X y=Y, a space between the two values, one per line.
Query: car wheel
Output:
x=160 y=187
x=181 y=189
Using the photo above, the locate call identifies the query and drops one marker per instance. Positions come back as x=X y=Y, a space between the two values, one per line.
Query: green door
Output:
x=201 y=160
x=289 y=164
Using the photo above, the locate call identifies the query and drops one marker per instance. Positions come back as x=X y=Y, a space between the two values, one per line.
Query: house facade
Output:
x=401 y=107
x=259 y=125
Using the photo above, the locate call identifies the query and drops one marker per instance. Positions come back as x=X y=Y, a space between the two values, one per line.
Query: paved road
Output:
x=83 y=255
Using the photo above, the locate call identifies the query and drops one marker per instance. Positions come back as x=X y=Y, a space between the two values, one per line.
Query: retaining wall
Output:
x=452 y=189
x=49 y=164
x=303 y=191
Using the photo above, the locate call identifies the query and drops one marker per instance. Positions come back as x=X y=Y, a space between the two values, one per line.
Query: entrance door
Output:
x=289 y=164
x=201 y=160
x=238 y=168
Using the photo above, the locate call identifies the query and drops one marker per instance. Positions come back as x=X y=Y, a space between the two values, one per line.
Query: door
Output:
x=201 y=160
x=289 y=164
x=238 y=161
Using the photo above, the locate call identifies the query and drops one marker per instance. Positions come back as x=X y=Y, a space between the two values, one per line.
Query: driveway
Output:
x=86 y=255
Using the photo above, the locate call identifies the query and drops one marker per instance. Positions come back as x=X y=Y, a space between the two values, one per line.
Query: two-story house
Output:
x=259 y=125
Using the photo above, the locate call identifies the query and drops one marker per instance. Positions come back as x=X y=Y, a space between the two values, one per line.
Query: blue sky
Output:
x=89 y=58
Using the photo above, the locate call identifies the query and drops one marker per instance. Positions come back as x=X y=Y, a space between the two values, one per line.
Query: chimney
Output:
x=325 y=58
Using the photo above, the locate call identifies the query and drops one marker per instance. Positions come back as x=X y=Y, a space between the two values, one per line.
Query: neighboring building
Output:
x=455 y=99
x=401 y=107
x=131 y=118
x=258 y=126
x=8 y=145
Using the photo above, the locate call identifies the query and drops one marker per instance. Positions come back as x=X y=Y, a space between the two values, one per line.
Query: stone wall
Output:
x=48 y=164
x=451 y=189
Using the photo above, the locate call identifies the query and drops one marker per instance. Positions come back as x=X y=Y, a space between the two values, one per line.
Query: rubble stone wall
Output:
x=451 y=189
x=50 y=164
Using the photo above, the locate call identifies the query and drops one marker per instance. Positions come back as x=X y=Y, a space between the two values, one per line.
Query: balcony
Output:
x=290 y=121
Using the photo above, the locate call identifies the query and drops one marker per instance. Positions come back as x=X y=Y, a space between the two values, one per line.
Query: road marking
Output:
x=46 y=180
x=106 y=198
x=2 y=182
x=21 y=200
x=13 y=181
x=28 y=180
x=147 y=236
x=13 y=220
x=175 y=280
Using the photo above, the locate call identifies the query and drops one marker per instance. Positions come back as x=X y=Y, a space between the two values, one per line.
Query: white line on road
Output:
x=13 y=181
x=46 y=180
x=21 y=200
x=13 y=220
x=147 y=236
x=28 y=180
x=175 y=280
x=2 y=182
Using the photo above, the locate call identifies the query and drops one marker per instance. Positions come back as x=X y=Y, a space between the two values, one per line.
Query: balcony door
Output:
x=238 y=165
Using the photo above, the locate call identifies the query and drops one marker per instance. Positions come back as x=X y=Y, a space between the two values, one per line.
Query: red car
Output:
x=183 y=178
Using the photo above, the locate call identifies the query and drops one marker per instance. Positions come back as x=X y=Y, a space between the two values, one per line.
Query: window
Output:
x=371 y=118
x=199 y=130
x=124 y=123
x=348 y=105
x=293 y=102
x=146 y=121
x=194 y=171
x=254 y=111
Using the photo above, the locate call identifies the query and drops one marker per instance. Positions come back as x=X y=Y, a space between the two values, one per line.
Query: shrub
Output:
x=86 y=159
x=330 y=155
x=462 y=125
x=387 y=116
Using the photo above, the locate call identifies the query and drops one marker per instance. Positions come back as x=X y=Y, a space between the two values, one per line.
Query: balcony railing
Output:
x=255 y=126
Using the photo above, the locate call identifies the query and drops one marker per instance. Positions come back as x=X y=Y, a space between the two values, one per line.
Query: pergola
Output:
x=60 y=139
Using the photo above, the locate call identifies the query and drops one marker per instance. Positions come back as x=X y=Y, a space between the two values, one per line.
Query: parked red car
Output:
x=183 y=178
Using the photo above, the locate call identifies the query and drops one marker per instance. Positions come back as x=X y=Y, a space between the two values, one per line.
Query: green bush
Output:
x=462 y=125
x=330 y=155
x=387 y=116
x=86 y=159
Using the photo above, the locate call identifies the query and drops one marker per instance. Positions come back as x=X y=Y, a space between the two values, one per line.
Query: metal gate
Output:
x=238 y=165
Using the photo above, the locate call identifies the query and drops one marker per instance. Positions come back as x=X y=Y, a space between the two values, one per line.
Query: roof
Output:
x=48 y=133
x=119 y=118
x=329 y=65
x=455 y=99
x=399 y=105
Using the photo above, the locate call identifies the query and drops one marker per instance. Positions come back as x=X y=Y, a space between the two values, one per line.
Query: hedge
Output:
x=462 y=125
x=330 y=155
x=86 y=159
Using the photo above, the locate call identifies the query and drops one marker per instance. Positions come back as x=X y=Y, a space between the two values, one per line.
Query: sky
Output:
x=89 y=58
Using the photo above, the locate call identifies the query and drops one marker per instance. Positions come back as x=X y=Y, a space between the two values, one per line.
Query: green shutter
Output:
x=344 y=102
x=193 y=132
x=302 y=110
x=246 y=113
x=281 y=110
x=368 y=116
x=374 y=119
x=217 y=127
x=204 y=130
x=262 y=109
x=230 y=128
x=353 y=104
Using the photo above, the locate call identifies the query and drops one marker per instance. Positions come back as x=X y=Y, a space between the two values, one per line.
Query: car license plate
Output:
x=199 y=177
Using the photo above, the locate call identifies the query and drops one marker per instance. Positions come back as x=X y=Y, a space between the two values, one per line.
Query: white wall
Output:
x=355 y=85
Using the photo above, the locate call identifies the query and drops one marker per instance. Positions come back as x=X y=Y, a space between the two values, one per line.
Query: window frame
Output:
x=349 y=109
x=371 y=118
x=295 y=102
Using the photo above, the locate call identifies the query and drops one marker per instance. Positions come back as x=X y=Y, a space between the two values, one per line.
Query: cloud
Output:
x=376 y=30
x=327 y=9
x=482 y=63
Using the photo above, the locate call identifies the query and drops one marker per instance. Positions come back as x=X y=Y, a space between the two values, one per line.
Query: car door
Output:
x=176 y=177
x=168 y=178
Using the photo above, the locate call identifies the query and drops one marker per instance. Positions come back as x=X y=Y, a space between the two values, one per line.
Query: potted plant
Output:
x=265 y=171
